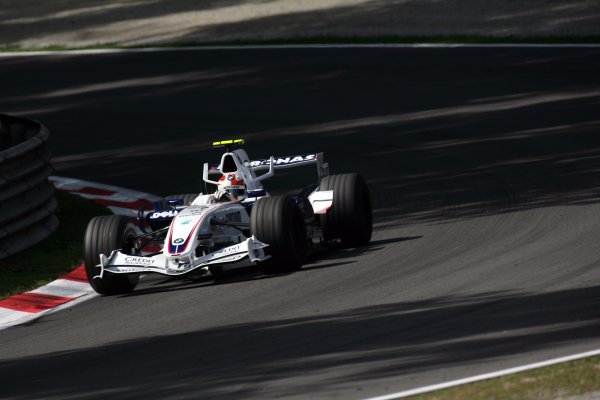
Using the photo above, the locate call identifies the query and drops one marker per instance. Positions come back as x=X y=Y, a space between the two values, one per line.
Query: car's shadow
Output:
x=326 y=257
x=337 y=251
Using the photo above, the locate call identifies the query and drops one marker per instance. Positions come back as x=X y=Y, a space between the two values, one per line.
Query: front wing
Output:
x=119 y=263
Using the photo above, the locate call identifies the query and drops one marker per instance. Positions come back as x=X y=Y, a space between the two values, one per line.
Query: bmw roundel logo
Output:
x=230 y=177
x=180 y=240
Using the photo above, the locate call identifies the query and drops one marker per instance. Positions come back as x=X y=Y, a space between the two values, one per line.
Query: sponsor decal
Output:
x=164 y=214
x=187 y=221
x=179 y=240
x=194 y=211
x=139 y=260
x=285 y=160
x=227 y=251
x=230 y=259
x=129 y=269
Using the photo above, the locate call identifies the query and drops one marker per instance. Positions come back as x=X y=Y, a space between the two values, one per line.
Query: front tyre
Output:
x=350 y=218
x=103 y=235
x=277 y=221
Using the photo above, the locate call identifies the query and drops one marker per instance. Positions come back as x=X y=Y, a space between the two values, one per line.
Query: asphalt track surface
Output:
x=484 y=166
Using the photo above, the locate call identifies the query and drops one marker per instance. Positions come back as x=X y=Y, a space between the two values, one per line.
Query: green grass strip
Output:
x=336 y=40
x=56 y=255
x=553 y=382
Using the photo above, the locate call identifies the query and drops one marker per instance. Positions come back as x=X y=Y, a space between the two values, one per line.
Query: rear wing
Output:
x=292 y=161
x=249 y=168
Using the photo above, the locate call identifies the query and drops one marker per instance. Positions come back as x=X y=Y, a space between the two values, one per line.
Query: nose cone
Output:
x=183 y=227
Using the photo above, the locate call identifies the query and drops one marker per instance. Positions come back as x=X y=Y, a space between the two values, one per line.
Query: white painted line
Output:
x=15 y=318
x=120 y=197
x=68 y=184
x=306 y=46
x=7 y=316
x=65 y=288
x=482 y=377
x=92 y=294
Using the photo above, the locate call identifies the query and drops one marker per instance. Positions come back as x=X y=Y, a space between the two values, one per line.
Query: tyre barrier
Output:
x=27 y=198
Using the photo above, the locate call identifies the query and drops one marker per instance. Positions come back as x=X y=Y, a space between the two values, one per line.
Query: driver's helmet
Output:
x=233 y=186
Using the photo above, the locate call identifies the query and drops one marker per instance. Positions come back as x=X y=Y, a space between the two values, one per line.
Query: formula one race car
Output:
x=236 y=226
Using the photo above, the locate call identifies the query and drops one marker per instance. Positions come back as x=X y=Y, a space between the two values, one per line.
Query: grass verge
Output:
x=54 y=256
x=336 y=40
x=553 y=382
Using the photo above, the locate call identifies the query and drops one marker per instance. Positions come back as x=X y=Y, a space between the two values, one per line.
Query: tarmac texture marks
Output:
x=484 y=166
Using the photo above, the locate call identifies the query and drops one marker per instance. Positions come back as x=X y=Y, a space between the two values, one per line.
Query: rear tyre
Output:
x=277 y=221
x=351 y=217
x=103 y=235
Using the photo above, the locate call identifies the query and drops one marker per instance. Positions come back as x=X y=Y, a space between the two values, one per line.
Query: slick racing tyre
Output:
x=103 y=235
x=350 y=218
x=277 y=221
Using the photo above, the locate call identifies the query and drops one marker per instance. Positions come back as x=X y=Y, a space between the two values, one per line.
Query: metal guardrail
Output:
x=27 y=199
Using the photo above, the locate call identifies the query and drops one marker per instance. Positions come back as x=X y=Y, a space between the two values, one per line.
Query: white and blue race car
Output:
x=237 y=226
